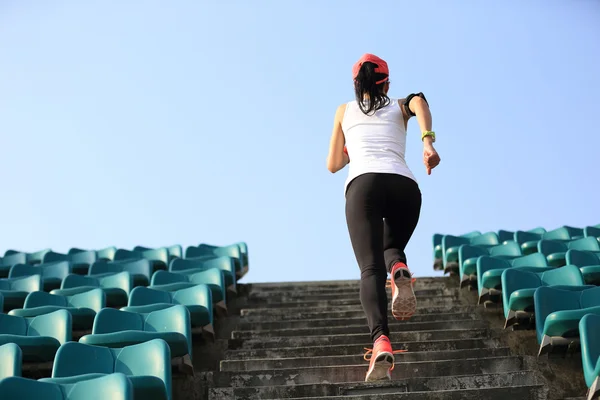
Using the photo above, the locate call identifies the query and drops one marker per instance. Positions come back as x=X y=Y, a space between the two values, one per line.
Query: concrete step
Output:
x=329 y=340
x=362 y=328
x=330 y=322
x=359 y=348
x=356 y=373
x=421 y=282
x=528 y=392
x=336 y=295
x=418 y=384
x=266 y=315
x=357 y=358
x=427 y=301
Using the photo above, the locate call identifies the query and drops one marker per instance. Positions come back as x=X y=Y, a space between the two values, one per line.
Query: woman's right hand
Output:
x=431 y=158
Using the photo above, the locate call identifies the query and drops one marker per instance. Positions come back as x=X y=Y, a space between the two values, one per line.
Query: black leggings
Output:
x=382 y=211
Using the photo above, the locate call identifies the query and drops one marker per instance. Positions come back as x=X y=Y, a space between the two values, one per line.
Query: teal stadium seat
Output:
x=115 y=328
x=489 y=272
x=116 y=287
x=147 y=365
x=438 y=263
x=9 y=260
x=210 y=251
x=468 y=255
x=82 y=306
x=556 y=251
x=158 y=258
x=588 y=263
x=451 y=244
x=214 y=278
x=192 y=266
x=589 y=326
x=40 y=337
x=115 y=386
x=52 y=273
x=11 y=358
x=528 y=240
x=197 y=299
x=15 y=290
x=558 y=312
x=80 y=261
x=518 y=288
x=139 y=269
x=173 y=252
x=505 y=236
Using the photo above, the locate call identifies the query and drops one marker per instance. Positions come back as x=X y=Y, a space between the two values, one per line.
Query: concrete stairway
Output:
x=306 y=341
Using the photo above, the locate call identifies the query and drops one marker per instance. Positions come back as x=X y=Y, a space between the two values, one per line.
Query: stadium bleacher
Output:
x=110 y=323
x=545 y=281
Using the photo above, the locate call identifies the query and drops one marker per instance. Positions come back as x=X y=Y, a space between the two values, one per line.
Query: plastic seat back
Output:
x=582 y=258
x=57 y=270
x=141 y=296
x=94 y=299
x=547 y=247
x=574 y=232
x=12 y=325
x=504 y=235
x=212 y=276
x=135 y=267
x=104 y=267
x=172 y=319
x=175 y=251
x=589 y=326
x=122 y=280
x=12 y=259
x=513 y=280
x=164 y=278
x=107 y=253
x=73 y=281
x=488 y=238
x=31 y=283
x=551 y=299
x=123 y=254
x=590 y=297
x=1 y=302
x=57 y=324
x=509 y=249
x=110 y=320
x=523 y=237
x=559 y=234
x=541 y=230
x=160 y=254
x=591 y=231
x=37 y=257
x=11 y=358
x=587 y=243
x=152 y=358
x=569 y=275
x=74 y=358
x=41 y=299
x=531 y=260
x=20 y=388
x=199 y=295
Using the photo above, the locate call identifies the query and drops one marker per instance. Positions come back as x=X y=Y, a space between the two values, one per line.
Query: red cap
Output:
x=381 y=68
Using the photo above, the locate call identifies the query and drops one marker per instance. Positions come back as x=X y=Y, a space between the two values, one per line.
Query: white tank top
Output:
x=376 y=142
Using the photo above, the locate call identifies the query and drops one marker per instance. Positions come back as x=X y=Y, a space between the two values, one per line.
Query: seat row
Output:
x=547 y=282
x=126 y=302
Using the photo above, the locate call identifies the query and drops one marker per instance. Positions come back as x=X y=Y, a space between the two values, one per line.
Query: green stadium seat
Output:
x=82 y=307
x=115 y=386
x=589 y=326
x=214 y=278
x=555 y=251
x=518 y=288
x=116 y=287
x=139 y=269
x=197 y=299
x=592 y=231
x=191 y=266
x=52 y=273
x=588 y=263
x=158 y=258
x=174 y=251
x=11 y=358
x=528 y=241
x=505 y=236
x=8 y=261
x=233 y=251
x=80 y=261
x=489 y=271
x=116 y=328
x=1 y=302
x=147 y=365
x=38 y=337
x=15 y=290
x=451 y=244
x=468 y=255
x=437 y=252
x=558 y=312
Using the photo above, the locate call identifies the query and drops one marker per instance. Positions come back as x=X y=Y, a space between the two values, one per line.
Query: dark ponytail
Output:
x=370 y=95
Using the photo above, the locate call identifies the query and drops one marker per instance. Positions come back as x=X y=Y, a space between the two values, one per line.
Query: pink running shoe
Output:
x=404 y=301
x=382 y=360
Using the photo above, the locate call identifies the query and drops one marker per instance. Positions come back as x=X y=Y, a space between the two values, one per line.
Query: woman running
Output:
x=383 y=199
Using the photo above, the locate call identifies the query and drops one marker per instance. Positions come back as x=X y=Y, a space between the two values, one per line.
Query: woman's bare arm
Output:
x=337 y=158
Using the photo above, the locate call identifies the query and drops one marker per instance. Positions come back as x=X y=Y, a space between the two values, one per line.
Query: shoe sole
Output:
x=381 y=370
x=404 y=302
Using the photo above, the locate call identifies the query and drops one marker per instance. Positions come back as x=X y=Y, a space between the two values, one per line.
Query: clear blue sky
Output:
x=154 y=123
